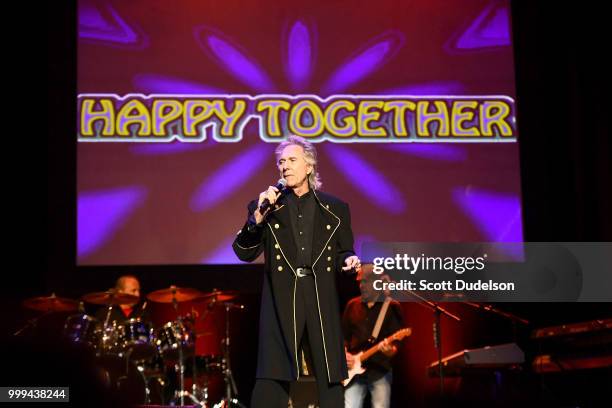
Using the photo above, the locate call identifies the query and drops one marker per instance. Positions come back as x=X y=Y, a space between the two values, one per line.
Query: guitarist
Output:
x=358 y=324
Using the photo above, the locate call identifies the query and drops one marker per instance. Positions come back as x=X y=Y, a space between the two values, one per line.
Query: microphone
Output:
x=280 y=185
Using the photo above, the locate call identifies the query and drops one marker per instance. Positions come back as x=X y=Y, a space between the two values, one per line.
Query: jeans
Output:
x=380 y=391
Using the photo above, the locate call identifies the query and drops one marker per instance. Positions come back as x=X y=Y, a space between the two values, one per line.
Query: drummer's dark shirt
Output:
x=117 y=314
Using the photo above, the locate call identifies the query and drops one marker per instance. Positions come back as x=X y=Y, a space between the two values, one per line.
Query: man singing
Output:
x=306 y=237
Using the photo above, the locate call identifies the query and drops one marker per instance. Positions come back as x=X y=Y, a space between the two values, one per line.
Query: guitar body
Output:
x=357 y=369
x=364 y=355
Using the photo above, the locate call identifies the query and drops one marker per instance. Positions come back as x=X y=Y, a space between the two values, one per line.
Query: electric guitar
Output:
x=364 y=355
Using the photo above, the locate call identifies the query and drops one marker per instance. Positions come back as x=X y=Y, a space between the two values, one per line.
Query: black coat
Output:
x=332 y=244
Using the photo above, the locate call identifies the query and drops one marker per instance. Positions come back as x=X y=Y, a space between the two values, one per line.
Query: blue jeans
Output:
x=380 y=391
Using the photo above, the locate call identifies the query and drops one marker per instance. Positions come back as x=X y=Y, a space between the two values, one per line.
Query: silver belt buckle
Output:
x=299 y=272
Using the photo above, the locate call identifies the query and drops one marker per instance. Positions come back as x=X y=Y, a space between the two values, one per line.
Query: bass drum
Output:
x=208 y=376
x=136 y=383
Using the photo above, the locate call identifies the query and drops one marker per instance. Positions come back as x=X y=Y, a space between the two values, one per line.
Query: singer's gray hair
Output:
x=310 y=155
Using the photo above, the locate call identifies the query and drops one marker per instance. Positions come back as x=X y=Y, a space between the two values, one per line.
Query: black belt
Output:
x=301 y=272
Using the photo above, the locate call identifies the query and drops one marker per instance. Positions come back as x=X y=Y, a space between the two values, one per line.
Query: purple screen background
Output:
x=183 y=203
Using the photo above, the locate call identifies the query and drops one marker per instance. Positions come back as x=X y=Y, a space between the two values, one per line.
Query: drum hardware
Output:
x=126 y=353
x=127 y=366
x=174 y=337
x=136 y=369
x=111 y=338
x=170 y=335
x=82 y=329
x=50 y=304
x=215 y=297
x=130 y=344
x=133 y=383
x=174 y=294
x=31 y=323
x=230 y=385
x=137 y=336
x=47 y=305
x=110 y=297
x=220 y=298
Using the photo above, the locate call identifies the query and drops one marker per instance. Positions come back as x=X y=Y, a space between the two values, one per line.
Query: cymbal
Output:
x=174 y=293
x=110 y=297
x=220 y=296
x=51 y=304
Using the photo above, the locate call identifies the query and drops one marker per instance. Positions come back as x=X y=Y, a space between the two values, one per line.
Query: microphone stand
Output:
x=490 y=308
x=437 y=329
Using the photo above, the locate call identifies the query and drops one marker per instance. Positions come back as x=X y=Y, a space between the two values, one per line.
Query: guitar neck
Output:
x=371 y=351
x=398 y=335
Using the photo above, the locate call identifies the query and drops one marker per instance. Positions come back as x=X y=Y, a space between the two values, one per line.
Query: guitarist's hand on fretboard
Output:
x=387 y=348
x=354 y=360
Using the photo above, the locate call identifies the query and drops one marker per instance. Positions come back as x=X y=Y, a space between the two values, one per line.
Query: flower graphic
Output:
x=299 y=47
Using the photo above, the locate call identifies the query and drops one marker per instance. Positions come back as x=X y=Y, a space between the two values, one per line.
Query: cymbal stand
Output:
x=105 y=328
x=230 y=385
x=31 y=323
x=194 y=388
x=194 y=376
x=181 y=365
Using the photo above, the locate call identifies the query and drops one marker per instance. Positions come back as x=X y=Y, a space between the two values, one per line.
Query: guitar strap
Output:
x=381 y=318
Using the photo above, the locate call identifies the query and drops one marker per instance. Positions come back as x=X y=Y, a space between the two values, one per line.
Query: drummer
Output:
x=129 y=285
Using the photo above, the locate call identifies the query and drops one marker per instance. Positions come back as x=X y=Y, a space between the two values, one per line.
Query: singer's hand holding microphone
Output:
x=267 y=199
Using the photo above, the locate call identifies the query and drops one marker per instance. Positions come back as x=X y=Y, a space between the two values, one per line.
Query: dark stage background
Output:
x=565 y=179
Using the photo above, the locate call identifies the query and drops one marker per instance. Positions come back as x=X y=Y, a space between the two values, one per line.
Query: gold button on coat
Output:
x=280 y=268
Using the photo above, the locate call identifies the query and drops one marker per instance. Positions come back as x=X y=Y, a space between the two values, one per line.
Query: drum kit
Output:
x=150 y=364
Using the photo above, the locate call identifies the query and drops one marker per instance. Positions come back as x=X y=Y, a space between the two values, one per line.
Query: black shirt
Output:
x=302 y=210
x=358 y=322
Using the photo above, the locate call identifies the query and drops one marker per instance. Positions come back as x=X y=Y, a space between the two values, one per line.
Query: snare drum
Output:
x=173 y=335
